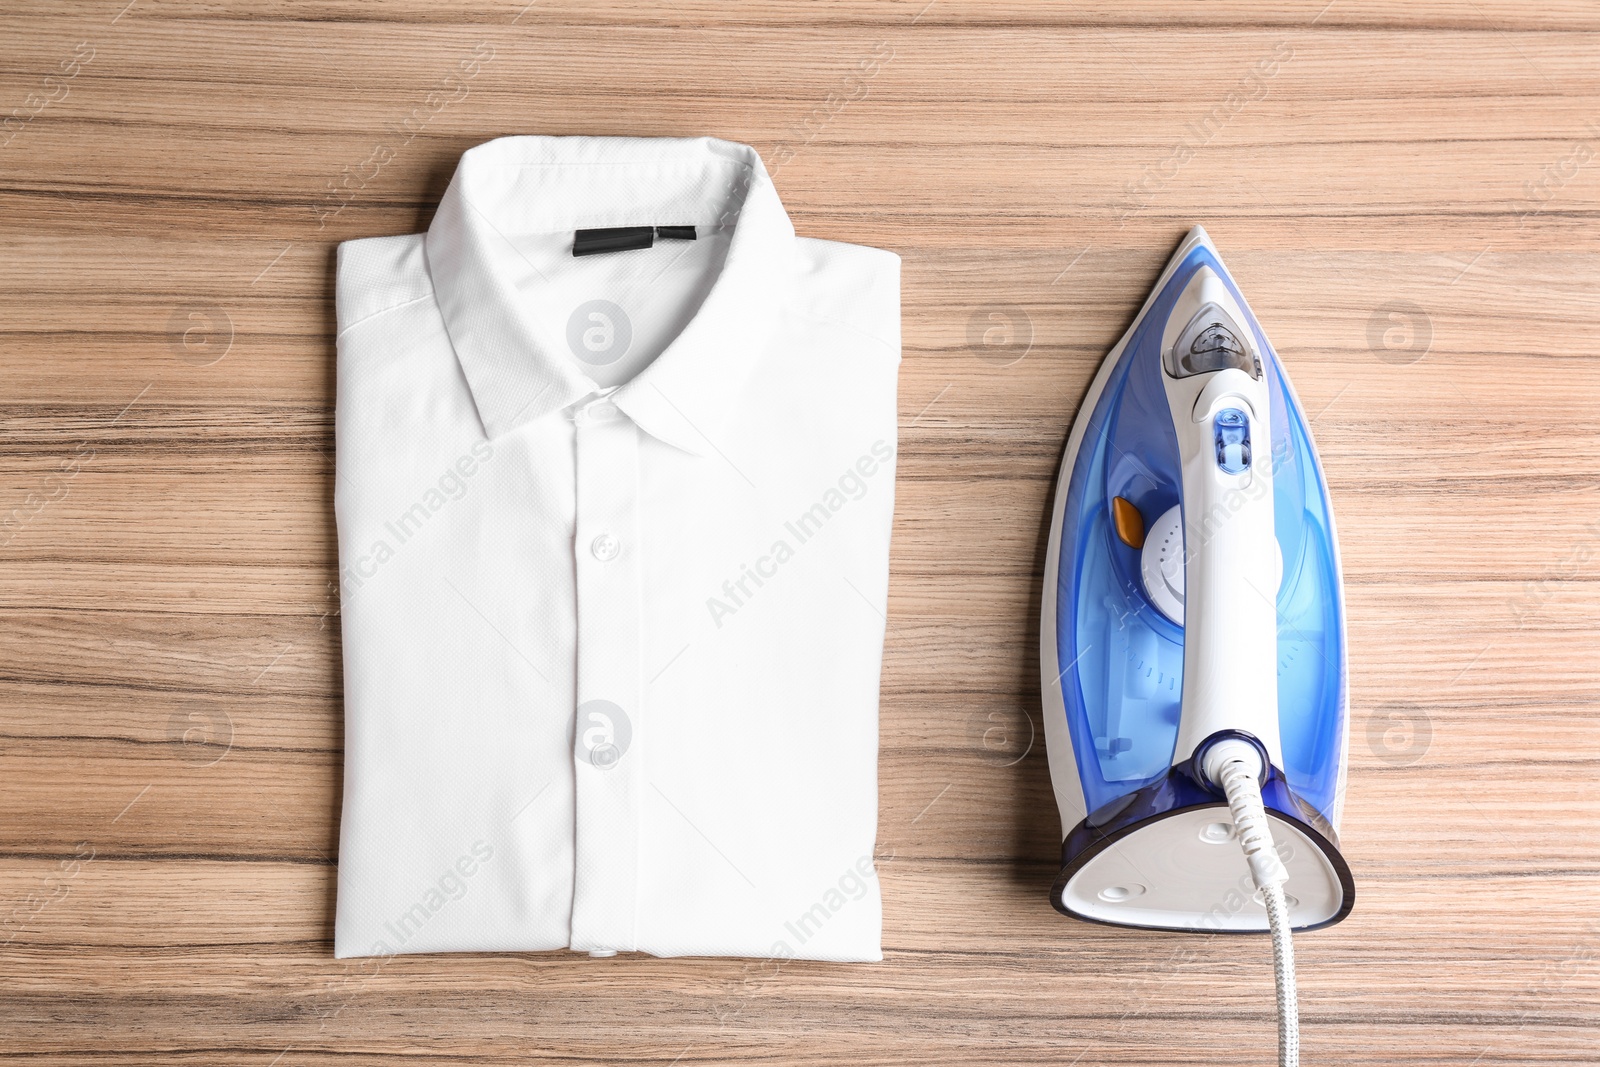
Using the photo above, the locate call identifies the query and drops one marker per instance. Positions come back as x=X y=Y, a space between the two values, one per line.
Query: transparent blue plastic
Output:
x=1122 y=659
x=1233 y=440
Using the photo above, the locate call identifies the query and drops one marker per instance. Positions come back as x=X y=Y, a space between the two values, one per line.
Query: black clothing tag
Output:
x=626 y=238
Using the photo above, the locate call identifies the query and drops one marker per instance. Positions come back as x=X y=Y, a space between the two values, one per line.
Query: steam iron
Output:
x=1192 y=640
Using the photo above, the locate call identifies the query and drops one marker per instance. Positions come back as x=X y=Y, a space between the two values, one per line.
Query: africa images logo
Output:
x=599 y=333
x=451 y=486
x=450 y=886
x=603 y=734
x=851 y=485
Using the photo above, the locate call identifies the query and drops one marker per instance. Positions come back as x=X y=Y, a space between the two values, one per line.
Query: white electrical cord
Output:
x=1236 y=767
x=1283 y=968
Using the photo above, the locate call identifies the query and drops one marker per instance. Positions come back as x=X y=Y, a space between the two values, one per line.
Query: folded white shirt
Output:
x=613 y=542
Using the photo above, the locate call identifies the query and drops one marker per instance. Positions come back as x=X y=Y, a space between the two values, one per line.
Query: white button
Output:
x=595 y=411
x=1116 y=894
x=605 y=548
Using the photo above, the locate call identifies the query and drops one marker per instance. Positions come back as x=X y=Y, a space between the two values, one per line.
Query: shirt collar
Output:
x=539 y=184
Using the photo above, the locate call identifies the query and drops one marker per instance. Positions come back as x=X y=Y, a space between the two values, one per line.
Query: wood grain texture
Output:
x=1411 y=202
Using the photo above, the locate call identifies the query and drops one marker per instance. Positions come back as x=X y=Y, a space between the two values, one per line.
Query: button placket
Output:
x=607 y=767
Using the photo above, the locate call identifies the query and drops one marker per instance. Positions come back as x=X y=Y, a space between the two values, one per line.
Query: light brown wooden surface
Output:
x=1411 y=202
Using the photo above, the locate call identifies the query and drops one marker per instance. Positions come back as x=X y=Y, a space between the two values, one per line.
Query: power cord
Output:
x=1235 y=765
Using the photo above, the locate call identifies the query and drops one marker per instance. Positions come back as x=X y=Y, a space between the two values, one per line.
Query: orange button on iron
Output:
x=1129 y=523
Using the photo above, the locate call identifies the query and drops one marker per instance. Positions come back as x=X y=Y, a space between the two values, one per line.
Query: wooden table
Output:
x=1411 y=200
